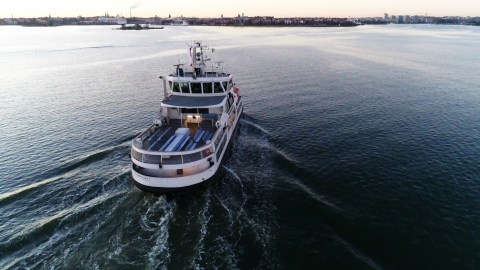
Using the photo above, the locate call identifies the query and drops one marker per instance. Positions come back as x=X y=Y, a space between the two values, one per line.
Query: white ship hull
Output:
x=196 y=124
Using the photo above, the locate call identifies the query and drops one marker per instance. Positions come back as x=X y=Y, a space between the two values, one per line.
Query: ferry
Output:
x=189 y=137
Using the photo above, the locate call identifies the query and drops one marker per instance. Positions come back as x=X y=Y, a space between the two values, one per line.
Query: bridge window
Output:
x=207 y=88
x=196 y=88
x=217 y=88
x=224 y=86
x=176 y=87
x=184 y=87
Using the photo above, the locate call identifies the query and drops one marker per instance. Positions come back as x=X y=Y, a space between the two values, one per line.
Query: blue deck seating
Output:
x=175 y=143
x=159 y=139
x=200 y=136
x=179 y=148
x=193 y=146
x=165 y=145
x=154 y=135
x=197 y=134
x=188 y=145
x=205 y=136
x=213 y=116
x=209 y=137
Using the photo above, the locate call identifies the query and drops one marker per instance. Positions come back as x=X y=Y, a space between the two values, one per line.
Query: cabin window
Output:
x=224 y=86
x=217 y=88
x=196 y=88
x=184 y=110
x=176 y=87
x=184 y=87
x=194 y=110
x=207 y=88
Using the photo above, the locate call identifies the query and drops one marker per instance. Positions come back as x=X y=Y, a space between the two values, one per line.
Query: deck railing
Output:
x=171 y=158
x=174 y=158
x=208 y=74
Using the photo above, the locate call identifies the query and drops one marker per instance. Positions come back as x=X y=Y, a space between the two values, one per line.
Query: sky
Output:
x=231 y=8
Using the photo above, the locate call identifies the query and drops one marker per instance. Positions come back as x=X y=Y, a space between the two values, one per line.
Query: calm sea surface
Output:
x=359 y=149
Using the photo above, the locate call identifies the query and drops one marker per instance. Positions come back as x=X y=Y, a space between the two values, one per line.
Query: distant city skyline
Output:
x=215 y=8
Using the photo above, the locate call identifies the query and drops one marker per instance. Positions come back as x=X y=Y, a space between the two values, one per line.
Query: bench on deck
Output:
x=210 y=135
x=159 y=139
x=176 y=140
x=200 y=136
x=189 y=145
x=192 y=146
x=179 y=148
x=207 y=134
x=197 y=134
x=165 y=145
x=210 y=116
x=175 y=143
x=154 y=135
x=213 y=116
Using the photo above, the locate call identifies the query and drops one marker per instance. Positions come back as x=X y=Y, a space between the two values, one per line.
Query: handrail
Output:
x=176 y=153
x=180 y=157
x=214 y=79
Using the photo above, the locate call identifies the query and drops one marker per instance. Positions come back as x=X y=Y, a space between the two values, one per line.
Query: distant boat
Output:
x=180 y=23
x=137 y=26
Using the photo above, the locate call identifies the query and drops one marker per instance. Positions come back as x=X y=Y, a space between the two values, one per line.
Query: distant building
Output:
x=112 y=20
x=41 y=22
x=11 y=22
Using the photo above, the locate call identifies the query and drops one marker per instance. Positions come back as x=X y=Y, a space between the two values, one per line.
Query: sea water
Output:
x=358 y=149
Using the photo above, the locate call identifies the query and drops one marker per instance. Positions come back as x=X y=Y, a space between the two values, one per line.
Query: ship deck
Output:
x=165 y=139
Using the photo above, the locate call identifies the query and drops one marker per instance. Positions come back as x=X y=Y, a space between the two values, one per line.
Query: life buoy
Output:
x=235 y=90
x=207 y=152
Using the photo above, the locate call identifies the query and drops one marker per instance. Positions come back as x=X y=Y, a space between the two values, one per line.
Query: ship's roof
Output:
x=193 y=102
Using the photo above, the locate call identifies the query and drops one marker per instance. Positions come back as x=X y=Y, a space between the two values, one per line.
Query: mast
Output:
x=199 y=59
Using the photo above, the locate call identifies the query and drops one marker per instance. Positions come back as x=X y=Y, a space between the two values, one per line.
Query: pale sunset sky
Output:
x=231 y=8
